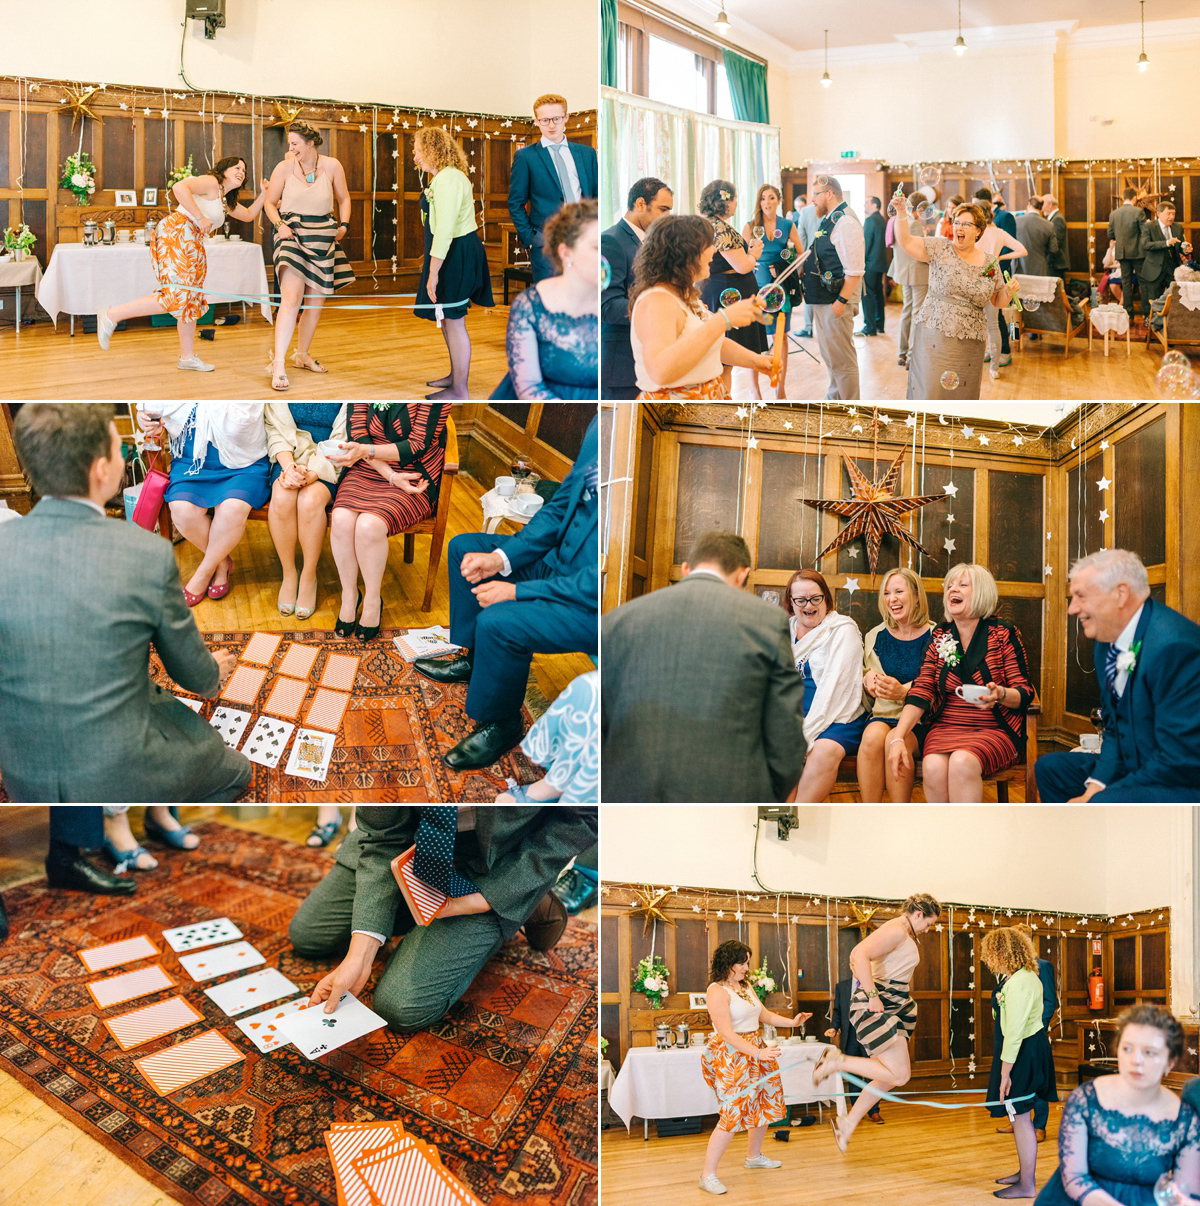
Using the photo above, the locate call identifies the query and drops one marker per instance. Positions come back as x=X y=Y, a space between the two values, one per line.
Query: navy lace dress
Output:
x=550 y=354
x=1122 y=1154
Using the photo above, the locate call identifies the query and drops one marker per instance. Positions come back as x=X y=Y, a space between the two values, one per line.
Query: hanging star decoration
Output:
x=78 y=101
x=873 y=511
x=647 y=908
x=284 y=116
x=861 y=920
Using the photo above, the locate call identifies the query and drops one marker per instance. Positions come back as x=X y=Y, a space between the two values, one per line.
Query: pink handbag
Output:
x=150 y=500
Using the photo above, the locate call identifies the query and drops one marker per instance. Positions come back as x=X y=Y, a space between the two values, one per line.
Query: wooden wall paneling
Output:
x=517 y=413
x=962 y=1027
x=198 y=145
x=666 y=470
x=1016 y=526
x=692 y=958
x=563 y=427
x=610 y=956
x=1154 y=962
x=862 y=606
x=119 y=166
x=34 y=214
x=644 y=485
x=981 y=550
x=787 y=529
x=926 y=1043
x=625 y=965
x=1183 y=465
x=812 y=958
x=774 y=940
x=1137 y=497
x=616 y=426
x=847 y=940
x=1027 y=615
x=10 y=135
x=1124 y=965
x=750 y=483
x=933 y=527
x=612 y=1030
x=708 y=491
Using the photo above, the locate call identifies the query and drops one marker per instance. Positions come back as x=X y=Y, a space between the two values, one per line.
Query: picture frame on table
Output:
x=125 y=196
x=150 y=196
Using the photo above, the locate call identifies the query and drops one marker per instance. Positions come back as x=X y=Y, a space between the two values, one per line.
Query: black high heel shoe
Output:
x=366 y=634
x=345 y=628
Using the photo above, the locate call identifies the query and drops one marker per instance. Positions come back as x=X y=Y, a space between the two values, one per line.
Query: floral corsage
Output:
x=1127 y=661
x=989 y=270
x=946 y=648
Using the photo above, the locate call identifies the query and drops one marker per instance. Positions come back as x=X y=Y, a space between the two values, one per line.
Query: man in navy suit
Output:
x=546 y=176
x=1148 y=664
x=514 y=596
x=649 y=198
x=874 y=297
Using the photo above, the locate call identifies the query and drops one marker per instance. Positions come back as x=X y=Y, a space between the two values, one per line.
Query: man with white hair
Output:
x=1148 y=664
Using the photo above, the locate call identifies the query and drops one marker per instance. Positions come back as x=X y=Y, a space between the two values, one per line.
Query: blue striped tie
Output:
x=1110 y=668
x=434 y=857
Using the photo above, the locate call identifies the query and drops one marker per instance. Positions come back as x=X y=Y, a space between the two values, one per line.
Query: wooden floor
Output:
x=370 y=354
x=45 y=1159
x=919 y=1156
x=1039 y=370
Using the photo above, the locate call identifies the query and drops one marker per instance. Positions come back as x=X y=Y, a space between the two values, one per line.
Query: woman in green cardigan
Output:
x=456 y=268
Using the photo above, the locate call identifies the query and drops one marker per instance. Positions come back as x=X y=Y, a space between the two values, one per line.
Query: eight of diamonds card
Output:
x=252 y=991
x=208 y=965
x=315 y=1032
x=203 y=933
x=263 y=1028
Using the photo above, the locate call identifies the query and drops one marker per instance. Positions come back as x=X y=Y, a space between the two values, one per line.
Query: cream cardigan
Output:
x=887 y=708
x=284 y=436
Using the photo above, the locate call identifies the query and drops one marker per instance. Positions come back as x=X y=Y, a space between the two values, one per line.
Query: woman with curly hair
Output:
x=679 y=346
x=309 y=261
x=553 y=339
x=882 y=1010
x=1022 y=1064
x=455 y=268
x=736 y=1057
x=972 y=693
x=177 y=253
x=1121 y=1133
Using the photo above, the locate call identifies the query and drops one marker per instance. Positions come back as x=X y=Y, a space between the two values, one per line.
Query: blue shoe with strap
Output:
x=169 y=837
x=127 y=860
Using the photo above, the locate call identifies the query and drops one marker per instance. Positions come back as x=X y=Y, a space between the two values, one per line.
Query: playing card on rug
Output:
x=315 y=1032
x=113 y=954
x=187 y=1062
x=220 y=961
x=231 y=724
x=203 y=933
x=407 y=1173
x=310 y=755
x=151 y=1022
x=298 y=661
x=424 y=901
x=267 y=741
x=262 y=1028
x=344 y=1141
x=244 y=685
x=327 y=709
x=341 y=669
x=260 y=649
x=116 y=990
x=249 y=992
x=286 y=697
x=194 y=704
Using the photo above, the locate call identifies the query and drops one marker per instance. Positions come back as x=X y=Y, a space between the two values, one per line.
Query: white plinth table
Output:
x=81 y=280
x=14 y=274
x=670 y=1084
x=1110 y=319
x=497 y=509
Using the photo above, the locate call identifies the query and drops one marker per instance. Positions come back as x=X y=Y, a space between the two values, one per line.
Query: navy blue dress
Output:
x=463 y=277
x=317 y=419
x=902 y=660
x=550 y=354
x=215 y=483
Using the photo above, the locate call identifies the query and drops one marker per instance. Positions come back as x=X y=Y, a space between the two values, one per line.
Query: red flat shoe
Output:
x=219 y=592
x=190 y=599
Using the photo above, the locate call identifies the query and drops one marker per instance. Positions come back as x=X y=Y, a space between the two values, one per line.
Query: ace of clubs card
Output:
x=315 y=1032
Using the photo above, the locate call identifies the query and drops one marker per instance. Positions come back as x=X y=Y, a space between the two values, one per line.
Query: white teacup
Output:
x=506 y=486
x=698 y=1040
x=1090 y=742
x=124 y=235
x=971 y=693
x=527 y=505
x=330 y=448
x=810 y=1038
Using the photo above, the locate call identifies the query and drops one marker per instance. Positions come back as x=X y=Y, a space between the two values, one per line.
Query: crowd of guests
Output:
x=712 y=694
x=82 y=600
x=1147 y=250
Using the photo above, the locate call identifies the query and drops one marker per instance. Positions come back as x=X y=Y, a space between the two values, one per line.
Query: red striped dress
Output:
x=996 y=736
x=362 y=489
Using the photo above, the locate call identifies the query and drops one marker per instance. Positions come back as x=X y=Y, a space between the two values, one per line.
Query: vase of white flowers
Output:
x=182 y=172
x=761 y=981
x=651 y=980
x=19 y=241
x=79 y=175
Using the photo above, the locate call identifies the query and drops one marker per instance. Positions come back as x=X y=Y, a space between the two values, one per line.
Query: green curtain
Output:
x=608 y=43
x=747 y=87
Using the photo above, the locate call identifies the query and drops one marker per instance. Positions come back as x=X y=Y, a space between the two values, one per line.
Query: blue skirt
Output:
x=893 y=721
x=215 y=483
x=848 y=736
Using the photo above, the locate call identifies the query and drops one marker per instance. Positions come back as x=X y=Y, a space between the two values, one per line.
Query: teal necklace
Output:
x=311 y=177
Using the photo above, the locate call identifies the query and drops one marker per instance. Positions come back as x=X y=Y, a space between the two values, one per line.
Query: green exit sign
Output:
x=849 y=154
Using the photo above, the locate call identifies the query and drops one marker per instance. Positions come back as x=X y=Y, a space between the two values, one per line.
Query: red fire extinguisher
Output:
x=1096 y=989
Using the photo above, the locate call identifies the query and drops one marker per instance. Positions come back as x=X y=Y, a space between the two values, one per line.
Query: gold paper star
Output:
x=647 y=908
x=78 y=102
x=284 y=116
x=861 y=920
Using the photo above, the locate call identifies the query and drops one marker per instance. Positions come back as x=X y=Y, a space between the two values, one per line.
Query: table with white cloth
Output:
x=14 y=274
x=607 y=1075
x=1110 y=319
x=496 y=509
x=670 y=1084
x=1189 y=294
x=83 y=280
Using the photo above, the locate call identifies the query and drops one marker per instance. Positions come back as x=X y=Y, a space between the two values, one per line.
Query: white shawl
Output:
x=235 y=429
x=834 y=653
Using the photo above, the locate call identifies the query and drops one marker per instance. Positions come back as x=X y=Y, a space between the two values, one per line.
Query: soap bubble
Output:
x=1166 y=1192
x=772 y=298
x=788 y=253
x=949 y=380
x=1030 y=304
x=730 y=296
x=1176 y=381
x=605 y=274
x=778 y=233
x=931 y=177
x=827 y=277
x=892 y=209
x=1174 y=357
x=921 y=210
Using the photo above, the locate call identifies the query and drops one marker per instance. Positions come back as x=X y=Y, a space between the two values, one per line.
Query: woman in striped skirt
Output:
x=309 y=261
x=882 y=1010
x=395 y=455
x=973 y=692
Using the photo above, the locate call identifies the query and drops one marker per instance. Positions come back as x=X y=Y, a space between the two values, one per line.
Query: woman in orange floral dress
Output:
x=177 y=253
x=736 y=1058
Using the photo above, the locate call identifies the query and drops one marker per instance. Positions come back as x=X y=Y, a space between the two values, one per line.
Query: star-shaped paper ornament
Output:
x=787 y=425
x=1103 y=445
x=752 y=442
x=1018 y=440
x=852 y=552
x=948 y=545
x=362 y=129
x=1047 y=569
x=949 y=518
x=873 y=511
x=78 y=101
x=983 y=440
x=647 y=908
x=1104 y=483
x=124 y=105
x=968 y=432
x=741 y=412
x=284 y=115
x=950 y=488
x=851 y=586
x=1103 y=516
x=861 y=920
x=911 y=421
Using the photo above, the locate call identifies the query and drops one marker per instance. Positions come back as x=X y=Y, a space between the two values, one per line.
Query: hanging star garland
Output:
x=78 y=101
x=861 y=920
x=873 y=511
x=284 y=116
x=647 y=908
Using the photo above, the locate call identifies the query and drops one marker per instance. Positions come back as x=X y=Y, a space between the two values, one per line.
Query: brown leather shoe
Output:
x=1041 y=1135
x=547 y=923
x=1006 y=1129
x=875 y=1117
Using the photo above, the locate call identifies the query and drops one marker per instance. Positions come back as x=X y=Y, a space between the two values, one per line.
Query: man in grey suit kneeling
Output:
x=700 y=699
x=82 y=599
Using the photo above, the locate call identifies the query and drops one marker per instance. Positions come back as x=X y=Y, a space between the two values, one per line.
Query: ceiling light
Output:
x=825 y=80
x=1143 y=63
x=722 y=21
x=960 y=46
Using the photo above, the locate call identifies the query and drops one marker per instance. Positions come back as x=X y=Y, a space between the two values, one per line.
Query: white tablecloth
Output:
x=1189 y=294
x=607 y=1075
x=670 y=1084
x=1112 y=319
x=79 y=279
x=1037 y=288
x=496 y=509
x=16 y=274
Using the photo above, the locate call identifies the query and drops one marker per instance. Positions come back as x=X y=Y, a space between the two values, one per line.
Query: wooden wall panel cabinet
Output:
x=1140 y=487
x=708 y=490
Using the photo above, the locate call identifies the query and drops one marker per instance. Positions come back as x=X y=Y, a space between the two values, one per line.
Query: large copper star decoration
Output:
x=861 y=920
x=872 y=511
x=78 y=101
x=647 y=908
x=284 y=116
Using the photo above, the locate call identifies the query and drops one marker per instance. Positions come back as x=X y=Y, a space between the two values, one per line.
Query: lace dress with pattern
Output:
x=550 y=354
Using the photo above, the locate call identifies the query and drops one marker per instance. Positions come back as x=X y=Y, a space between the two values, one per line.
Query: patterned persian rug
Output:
x=504 y=1086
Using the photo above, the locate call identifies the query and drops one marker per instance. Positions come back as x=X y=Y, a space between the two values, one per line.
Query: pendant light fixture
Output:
x=722 y=21
x=825 y=80
x=960 y=46
x=1143 y=63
